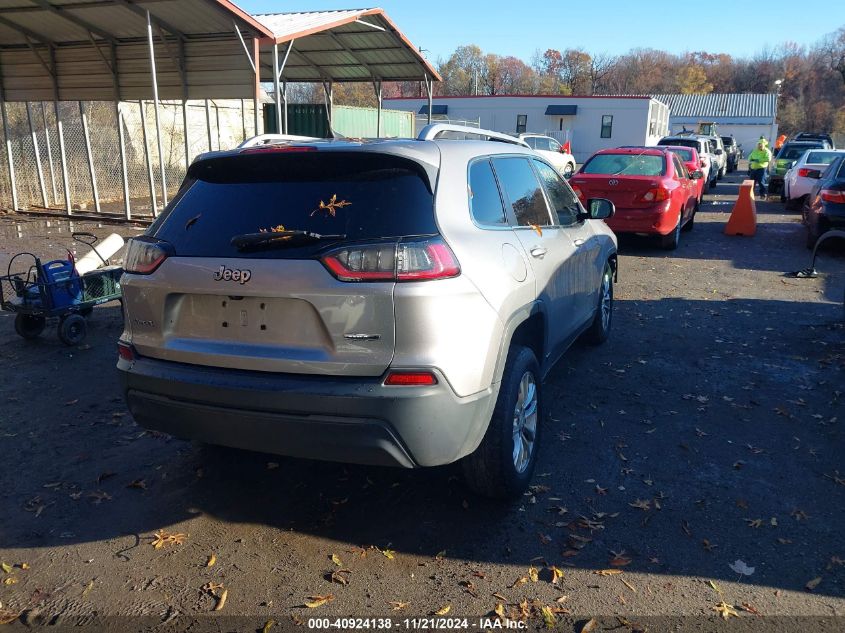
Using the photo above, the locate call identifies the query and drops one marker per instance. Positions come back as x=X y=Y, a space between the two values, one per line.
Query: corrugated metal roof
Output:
x=346 y=45
x=721 y=105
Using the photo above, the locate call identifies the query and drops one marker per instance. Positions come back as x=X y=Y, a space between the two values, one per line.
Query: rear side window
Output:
x=625 y=165
x=683 y=154
x=485 y=201
x=360 y=195
x=564 y=201
x=680 y=170
x=523 y=191
x=821 y=158
x=794 y=152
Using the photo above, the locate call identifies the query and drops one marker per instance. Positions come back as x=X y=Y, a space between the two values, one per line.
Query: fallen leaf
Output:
x=6 y=568
x=533 y=574
x=162 y=538
x=211 y=560
x=754 y=523
x=557 y=575
x=590 y=626
x=813 y=583
x=519 y=581
x=642 y=504
x=221 y=601
x=545 y=539
x=548 y=617
x=269 y=624
x=26 y=565
x=140 y=484
x=396 y=605
x=726 y=610
x=741 y=568
x=336 y=560
x=341 y=576
x=11 y=580
x=619 y=559
x=715 y=587
x=318 y=601
x=388 y=553
x=440 y=555
x=708 y=545
x=88 y=588
x=7 y=616
x=747 y=607
x=629 y=585
x=443 y=610
x=499 y=610
x=608 y=572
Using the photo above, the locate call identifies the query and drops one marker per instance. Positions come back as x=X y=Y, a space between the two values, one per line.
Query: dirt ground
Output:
x=692 y=463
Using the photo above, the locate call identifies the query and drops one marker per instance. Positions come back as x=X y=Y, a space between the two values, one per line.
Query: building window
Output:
x=521 y=123
x=606 y=125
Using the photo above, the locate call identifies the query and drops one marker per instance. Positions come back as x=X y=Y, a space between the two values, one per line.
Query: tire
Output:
x=72 y=329
x=690 y=225
x=568 y=170
x=29 y=326
x=670 y=242
x=497 y=468
x=600 y=328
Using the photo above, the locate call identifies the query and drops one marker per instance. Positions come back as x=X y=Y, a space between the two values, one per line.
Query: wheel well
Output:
x=614 y=266
x=531 y=334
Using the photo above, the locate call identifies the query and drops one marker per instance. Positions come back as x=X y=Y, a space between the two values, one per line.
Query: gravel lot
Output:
x=708 y=430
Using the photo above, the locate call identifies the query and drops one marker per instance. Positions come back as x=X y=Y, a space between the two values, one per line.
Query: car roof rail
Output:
x=431 y=131
x=269 y=139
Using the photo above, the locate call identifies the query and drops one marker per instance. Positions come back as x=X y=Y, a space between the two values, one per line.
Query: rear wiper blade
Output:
x=280 y=239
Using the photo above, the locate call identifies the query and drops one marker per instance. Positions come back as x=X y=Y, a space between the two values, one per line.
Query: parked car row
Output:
x=809 y=173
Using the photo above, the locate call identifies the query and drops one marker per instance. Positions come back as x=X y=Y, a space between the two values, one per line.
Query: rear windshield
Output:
x=625 y=165
x=684 y=154
x=361 y=195
x=683 y=142
x=727 y=140
x=821 y=158
x=794 y=152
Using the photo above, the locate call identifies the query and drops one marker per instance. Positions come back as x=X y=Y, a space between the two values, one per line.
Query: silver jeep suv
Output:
x=392 y=302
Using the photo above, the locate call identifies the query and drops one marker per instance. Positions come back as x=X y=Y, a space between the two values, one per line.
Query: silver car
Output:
x=393 y=302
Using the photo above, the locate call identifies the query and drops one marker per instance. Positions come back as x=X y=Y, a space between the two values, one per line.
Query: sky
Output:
x=739 y=28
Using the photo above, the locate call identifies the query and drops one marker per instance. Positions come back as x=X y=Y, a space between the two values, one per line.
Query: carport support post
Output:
x=429 y=90
x=277 y=90
x=155 y=104
x=121 y=139
x=9 y=155
x=60 y=131
x=45 y=202
x=89 y=156
x=148 y=158
x=285 y=97
x=377 y=88
x=328 y=89
x=208 y=124
x=49 y=153
x=256 y=95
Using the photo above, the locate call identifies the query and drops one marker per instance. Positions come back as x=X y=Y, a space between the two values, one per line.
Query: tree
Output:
x=832 y=50
x=692 y=80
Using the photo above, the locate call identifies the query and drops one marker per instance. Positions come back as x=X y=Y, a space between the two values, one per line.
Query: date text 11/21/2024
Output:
x=414 y=624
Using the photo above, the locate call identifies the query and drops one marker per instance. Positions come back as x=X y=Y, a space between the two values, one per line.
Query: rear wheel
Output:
x=502 y=465
x=670 y=242
x=600 y=329
x=29 y=326
x=72 y=329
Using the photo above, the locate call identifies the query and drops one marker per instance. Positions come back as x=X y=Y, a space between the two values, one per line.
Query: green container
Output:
x=304 y=119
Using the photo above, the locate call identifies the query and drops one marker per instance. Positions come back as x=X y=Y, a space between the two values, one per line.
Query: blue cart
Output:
x=34 y=291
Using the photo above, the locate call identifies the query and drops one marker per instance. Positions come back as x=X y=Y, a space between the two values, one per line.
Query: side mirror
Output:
x=600 y=208
x=815 y=174
x=696 y=175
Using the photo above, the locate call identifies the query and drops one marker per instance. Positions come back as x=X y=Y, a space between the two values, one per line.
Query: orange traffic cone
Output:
x=743 y=220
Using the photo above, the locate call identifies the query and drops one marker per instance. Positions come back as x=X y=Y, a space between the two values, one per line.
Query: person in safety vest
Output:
x=758 y=163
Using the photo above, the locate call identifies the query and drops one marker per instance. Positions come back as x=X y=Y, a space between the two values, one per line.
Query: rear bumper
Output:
x=658 y=220
x=353 y=420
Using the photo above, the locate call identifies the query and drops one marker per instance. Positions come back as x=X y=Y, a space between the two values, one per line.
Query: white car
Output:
x=552 y=151
x=799 y=180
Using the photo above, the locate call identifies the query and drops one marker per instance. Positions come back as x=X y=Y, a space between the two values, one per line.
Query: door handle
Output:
x=538 y=251
x=579 y=242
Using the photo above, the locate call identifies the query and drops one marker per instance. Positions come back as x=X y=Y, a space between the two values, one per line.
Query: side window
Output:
x=840 y=173
x=606 y=125
x=484 y=199
x=523 y=191
x=554 y=146
x=680 y=170
x=564 y=201
x=521 y=123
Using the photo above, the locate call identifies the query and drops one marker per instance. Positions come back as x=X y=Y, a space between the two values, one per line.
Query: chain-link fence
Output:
x=34 y=137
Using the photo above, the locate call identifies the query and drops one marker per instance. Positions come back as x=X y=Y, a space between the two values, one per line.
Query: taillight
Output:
x=144 y=255
x=410 y=379
x=412 y=260
x=126 y=351
x=577 y=191
x=804 y=172
x=832 y=195
x=658 y=194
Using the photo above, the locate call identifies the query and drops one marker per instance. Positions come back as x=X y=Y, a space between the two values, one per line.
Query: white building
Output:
x=745 y=116
x=590 y=123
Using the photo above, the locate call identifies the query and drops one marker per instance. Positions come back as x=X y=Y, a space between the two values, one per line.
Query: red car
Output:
x=689 y=157
x=653 y=191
